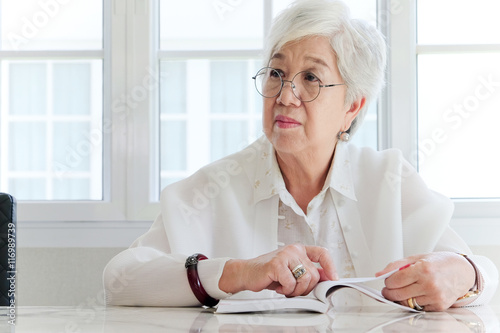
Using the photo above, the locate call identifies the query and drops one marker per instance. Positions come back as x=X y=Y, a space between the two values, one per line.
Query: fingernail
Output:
x=405 y=266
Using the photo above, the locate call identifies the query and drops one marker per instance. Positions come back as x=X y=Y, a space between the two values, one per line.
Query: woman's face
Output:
x=294 y=126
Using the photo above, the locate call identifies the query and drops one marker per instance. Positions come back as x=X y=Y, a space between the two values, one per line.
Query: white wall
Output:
x=61 y=276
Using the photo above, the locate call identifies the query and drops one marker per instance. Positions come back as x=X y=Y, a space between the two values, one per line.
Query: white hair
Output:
x=360 y=48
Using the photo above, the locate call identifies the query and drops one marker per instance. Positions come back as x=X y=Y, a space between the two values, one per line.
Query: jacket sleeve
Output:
x=147 y=274
x=486 y=271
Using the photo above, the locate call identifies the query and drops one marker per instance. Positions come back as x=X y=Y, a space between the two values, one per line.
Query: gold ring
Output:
x=298 y=271
x=410 y=303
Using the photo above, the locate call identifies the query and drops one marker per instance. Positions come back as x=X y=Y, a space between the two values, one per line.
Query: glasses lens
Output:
x=268 y=82
x=306 y=86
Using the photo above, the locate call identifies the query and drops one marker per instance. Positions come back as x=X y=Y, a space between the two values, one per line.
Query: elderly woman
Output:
x=301 y=205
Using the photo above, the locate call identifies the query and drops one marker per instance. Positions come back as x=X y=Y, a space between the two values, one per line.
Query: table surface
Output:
x=381 y=318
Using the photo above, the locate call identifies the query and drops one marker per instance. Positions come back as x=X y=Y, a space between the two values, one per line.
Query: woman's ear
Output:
x=353 y=112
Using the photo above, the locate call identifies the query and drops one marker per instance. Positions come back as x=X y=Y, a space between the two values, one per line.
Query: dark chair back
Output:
x=7 y=249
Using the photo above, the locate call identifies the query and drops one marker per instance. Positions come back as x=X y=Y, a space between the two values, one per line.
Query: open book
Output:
x=316 y=301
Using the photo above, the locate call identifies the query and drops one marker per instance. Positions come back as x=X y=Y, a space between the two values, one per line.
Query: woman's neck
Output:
x=304 y=174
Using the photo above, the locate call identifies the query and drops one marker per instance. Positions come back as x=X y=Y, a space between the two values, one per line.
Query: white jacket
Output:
x=229 y=209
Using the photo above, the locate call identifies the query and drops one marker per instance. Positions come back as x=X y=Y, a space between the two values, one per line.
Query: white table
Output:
x=150 y=320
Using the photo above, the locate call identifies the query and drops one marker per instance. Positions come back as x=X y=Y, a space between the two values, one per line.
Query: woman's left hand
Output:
x=435 y=280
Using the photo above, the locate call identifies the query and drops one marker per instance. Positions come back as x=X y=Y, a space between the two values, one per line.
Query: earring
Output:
x=344 y=136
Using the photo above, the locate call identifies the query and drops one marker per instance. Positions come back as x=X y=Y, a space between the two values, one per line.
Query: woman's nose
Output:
x=287 y=95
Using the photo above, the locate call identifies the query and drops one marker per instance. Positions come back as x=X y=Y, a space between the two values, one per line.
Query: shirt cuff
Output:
x=210 y=271
x=487 y=281
x=476 y=290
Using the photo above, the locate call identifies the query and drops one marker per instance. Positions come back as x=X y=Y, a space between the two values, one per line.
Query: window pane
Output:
x=71 y=146
x=51 y=25
x=459 y=113
x=172 y=151
x=211 y=25
x=27 y=146
x=227 y=137
x=366 y=135
x=230 y=81
x=28 y=188
x=71 y=189
x=28 y=89
x=173 y=87
x=173 y=146
x=72 y=81
x=458 y=21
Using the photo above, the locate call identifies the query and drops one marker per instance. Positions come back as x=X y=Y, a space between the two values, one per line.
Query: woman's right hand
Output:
x=274 y=271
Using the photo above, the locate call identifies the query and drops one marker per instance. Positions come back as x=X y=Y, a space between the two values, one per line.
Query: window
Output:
x=459 y=96
x=51 y=87
x=430 y=78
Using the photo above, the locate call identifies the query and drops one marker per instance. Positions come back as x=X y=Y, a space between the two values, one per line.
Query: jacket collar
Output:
x=341 y=179
x=269 y=181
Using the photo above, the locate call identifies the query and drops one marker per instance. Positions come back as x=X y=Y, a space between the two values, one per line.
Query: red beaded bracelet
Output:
x=194 y=280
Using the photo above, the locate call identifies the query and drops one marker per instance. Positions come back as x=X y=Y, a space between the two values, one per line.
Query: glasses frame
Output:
x=292 y=85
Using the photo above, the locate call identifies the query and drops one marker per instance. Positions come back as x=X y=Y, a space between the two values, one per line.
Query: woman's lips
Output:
x=285 y=122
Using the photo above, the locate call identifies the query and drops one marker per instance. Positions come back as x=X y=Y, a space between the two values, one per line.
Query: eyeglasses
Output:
x=305 y=85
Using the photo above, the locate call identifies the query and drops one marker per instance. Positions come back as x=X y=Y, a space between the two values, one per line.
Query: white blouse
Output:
x=373 y=209
x=318 y=226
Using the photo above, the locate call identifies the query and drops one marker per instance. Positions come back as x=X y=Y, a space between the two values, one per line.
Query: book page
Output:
x=368 y=279
x=324 y=289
